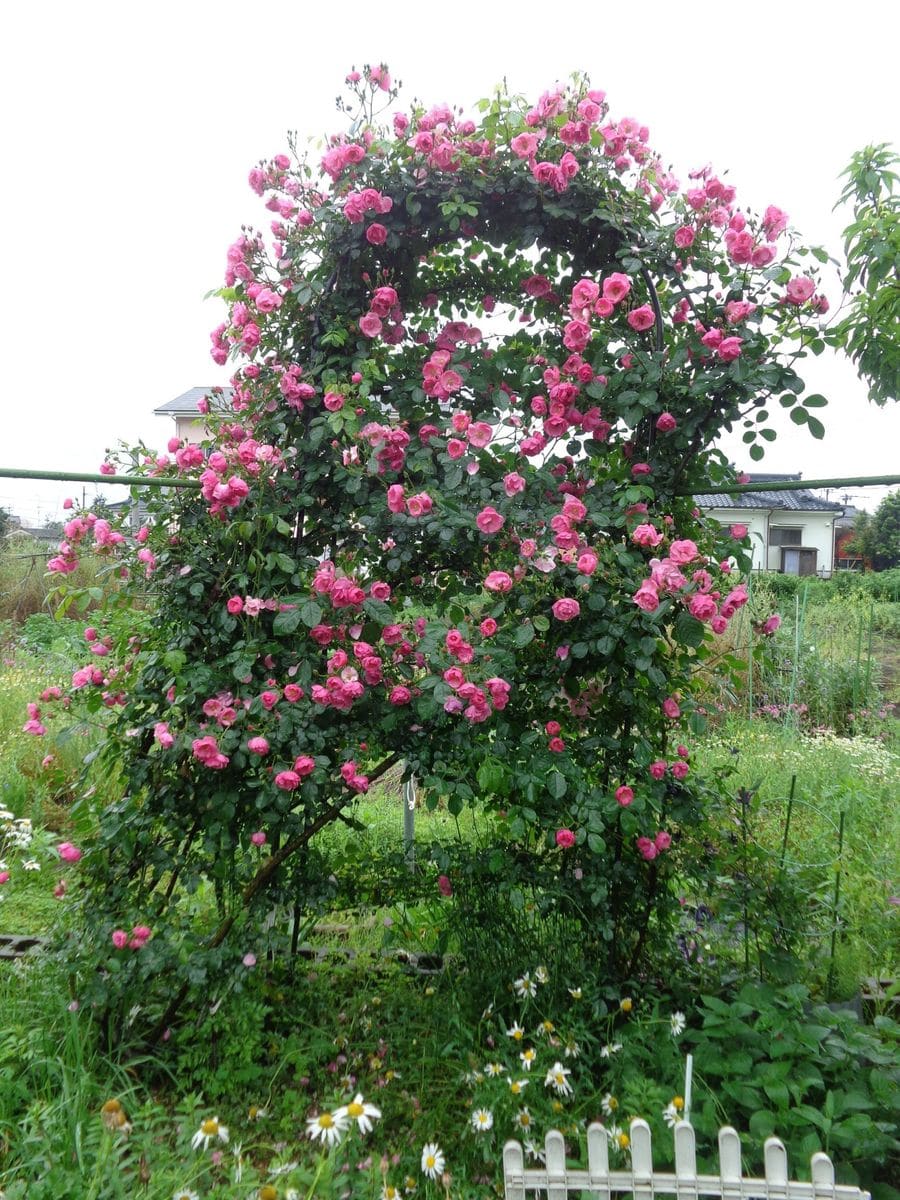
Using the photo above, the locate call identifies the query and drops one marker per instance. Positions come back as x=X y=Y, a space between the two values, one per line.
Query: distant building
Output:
x=845 y=557
x=792 y=531
x=189 y=423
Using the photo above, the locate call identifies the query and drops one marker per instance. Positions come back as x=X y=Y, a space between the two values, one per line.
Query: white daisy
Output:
x=389 y=1192
x=326 y=1127
x=609 y=1050
x=210 y=1130
x=678 y=1023
x=482 y=1120
x=575 y=993
x=518 y=1086
x=525 y=986
x=527 y=1057
x=572 y=1049
x=516 y=1031
x=545 y=1029
x=609 y=1104
x=523 y=1119
x=671 y=1115
x=541 y=974
x=494 y=1070
x=558 y=1079
x=360 y=1111
x=432 y=1160
x=185 y=1194
x=31 y=864
x=532 y=1151
x=284 y=1168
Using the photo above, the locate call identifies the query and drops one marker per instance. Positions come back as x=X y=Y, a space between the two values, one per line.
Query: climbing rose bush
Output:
x=443 y=517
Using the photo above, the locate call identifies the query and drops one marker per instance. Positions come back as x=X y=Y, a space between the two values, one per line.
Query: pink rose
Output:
x=565 y=839
x=670 y=708
x=399 y=695
x=488 y=627
x=684 y=237
x=293 y=692
x=587 y=562
x=235 y=605
x=658 y=769
x=513 y=483
x=258 y=838
x=370 y=325
x=445 y=887
x=287 y=780
x=566 y=609
x=738 y=532
x=683 y=551
x=489 y=520
x=624 y=796
x=419 y=505
x=641 y=318
x=729 y=349
x=702 y=607
x=799 y=289
x=119 y=939
x=647 y=597
x=304 y=765
x=556 y=745
x=771 y=624
x=258 y=745
x=395 y=498
x=376 y=234
x=616 y=287
x=665 y=422
x=680 y=770
x=68 y=853
x=498 y=581
x=647 y=849
x=663 y=840
x=646 y=535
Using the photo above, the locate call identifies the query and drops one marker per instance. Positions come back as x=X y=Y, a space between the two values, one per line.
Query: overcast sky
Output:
x=129 y=130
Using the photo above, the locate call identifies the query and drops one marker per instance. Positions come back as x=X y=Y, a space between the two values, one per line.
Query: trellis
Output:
x=553 y=1180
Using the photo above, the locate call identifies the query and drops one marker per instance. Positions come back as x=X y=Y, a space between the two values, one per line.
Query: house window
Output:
x=785 y=535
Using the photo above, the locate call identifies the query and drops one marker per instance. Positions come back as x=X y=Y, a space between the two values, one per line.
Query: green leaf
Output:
x=689 y=631
x=287 y=622
x=816 y=428
x=799 y=416
x=311 y=613
x=556 y=785
x=757 y=452
x=379 y=611
x=524 y=634
x=814 y=401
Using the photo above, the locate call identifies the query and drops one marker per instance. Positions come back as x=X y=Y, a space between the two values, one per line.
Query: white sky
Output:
x=129 y=130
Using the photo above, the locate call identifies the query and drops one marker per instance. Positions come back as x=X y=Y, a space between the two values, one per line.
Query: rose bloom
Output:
x=556 y=745
x=565 y=839
x=488 y=627
x=658 y=769
x=287 y=780
x=376 y=235
x=671 y=709
x=489 y=520
x=498 y=581
x=624 y=796
x=646 y=597
x=665 y=422
x=445 y=887
x=566 y=609
x=663 y=840
x=684 y=551
x=641 y=318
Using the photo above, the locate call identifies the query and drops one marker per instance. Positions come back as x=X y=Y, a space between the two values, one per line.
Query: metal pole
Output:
x=409 y=821
x=157 y=481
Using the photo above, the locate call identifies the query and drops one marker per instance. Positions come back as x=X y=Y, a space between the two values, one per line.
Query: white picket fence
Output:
x=554 y=1181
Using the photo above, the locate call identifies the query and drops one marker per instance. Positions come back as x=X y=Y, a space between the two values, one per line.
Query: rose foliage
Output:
x=445 y=519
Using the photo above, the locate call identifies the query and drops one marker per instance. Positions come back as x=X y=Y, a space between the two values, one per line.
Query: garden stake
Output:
x=859 y=634
x=837 y=896
x=787 y=822
x=868 y=681
x=800 y=613
x=688 y=1084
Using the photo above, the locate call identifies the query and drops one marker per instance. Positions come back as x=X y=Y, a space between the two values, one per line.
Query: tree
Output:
x=5 y=523
x=870 y=332
x=877 y=538
x=446 y=519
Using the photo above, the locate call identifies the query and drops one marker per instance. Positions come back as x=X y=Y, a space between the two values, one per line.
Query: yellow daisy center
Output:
x=678 y=1103
x=326 y=1121
x=430 y=1161
x=622 y=1139
x=355 y=1110
x=210 y=1127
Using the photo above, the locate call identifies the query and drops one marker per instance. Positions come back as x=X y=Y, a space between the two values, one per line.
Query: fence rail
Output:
x=555 y=1181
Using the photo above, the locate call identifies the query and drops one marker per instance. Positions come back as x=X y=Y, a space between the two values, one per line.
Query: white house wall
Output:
x=817 y=533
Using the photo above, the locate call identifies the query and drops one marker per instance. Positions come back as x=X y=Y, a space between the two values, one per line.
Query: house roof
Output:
x=793 y=500
x=185 y=405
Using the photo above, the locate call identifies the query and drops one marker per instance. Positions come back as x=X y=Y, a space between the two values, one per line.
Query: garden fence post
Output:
x=555 y=1149
x=514 y=1171
x=822 y=1175
x=730 y=1163
x=598 y=1161
x=685 y=1160
x=641 y=1160
x=775 y=1157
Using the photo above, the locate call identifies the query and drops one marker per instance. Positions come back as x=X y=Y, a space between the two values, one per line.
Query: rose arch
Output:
x=446 y=521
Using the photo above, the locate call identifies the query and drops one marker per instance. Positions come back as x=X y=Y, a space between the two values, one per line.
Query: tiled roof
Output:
x=186 y=403
x=795 y=500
